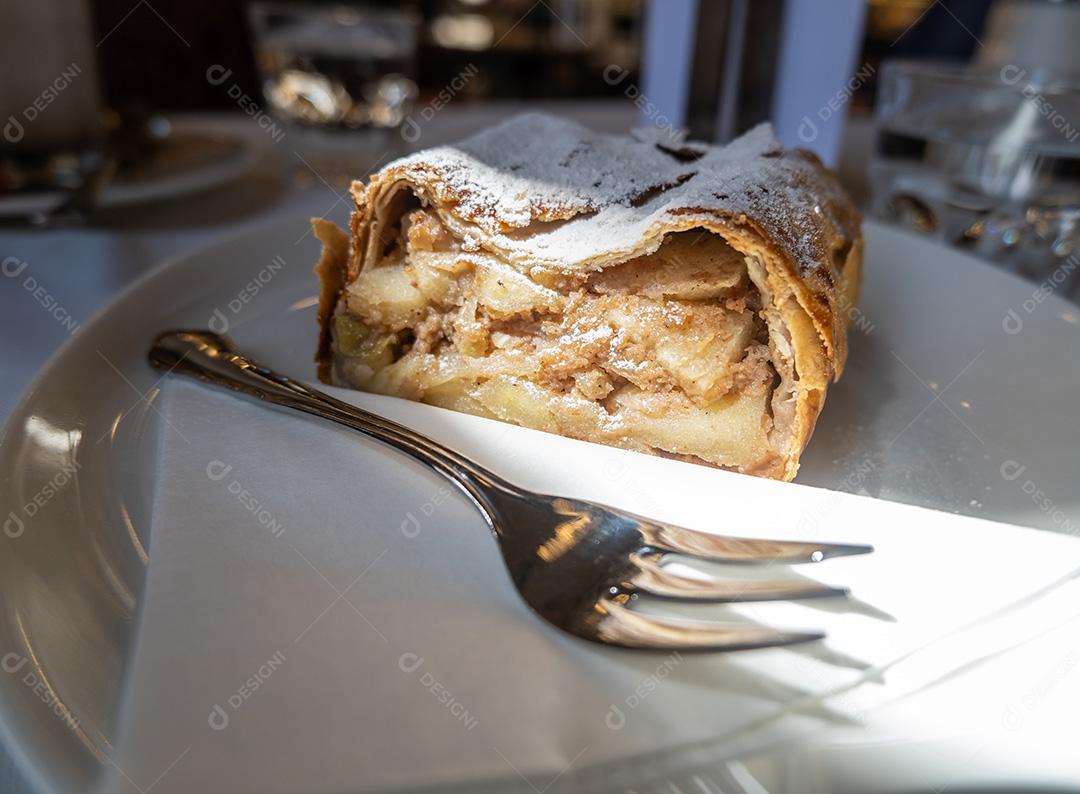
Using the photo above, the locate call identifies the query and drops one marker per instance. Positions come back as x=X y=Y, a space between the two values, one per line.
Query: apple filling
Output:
x=667 y=353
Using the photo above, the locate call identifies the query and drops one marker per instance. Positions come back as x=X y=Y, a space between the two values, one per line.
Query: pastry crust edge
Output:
x=814 y=305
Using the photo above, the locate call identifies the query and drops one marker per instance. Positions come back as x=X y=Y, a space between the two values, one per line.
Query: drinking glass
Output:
x=329 y=72
x=985 y=158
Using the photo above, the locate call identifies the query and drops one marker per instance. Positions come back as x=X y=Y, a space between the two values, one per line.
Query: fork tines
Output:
x=630 y=628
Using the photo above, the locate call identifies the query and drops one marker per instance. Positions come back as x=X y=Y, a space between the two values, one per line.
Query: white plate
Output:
x=167 y=175
x=941 y=406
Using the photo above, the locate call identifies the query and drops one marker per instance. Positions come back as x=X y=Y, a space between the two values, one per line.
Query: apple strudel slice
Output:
x=674 y=298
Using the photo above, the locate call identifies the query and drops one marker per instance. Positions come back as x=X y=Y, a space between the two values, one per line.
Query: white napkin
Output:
x=322 y=614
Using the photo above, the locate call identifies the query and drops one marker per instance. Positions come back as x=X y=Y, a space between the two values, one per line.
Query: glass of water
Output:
x=331 y=69
x=984 y=158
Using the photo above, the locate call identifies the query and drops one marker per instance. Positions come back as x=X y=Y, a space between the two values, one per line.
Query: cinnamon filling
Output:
x=666 y=352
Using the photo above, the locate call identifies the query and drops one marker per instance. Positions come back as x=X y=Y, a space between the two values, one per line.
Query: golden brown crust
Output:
x=544 y=193
x=330 y=270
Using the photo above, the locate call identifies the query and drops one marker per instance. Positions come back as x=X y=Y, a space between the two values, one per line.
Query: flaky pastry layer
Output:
x=688 y=301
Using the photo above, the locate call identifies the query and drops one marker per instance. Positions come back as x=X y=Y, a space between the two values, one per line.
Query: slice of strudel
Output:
x=663 y=296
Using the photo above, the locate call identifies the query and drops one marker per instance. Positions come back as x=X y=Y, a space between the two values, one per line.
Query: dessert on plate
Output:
x=665 y=296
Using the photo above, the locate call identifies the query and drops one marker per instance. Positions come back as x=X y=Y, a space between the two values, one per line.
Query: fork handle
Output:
x=212 y=358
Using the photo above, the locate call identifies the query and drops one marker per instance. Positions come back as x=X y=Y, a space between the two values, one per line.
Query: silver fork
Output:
x=577 y=564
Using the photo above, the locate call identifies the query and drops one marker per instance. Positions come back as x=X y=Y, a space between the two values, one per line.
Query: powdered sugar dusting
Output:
x=585 y=195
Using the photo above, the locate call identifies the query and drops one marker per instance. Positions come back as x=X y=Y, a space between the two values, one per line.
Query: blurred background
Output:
x=956 y=119
x=977 y=95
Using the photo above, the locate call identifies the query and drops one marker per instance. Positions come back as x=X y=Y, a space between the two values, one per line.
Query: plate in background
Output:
x=185 y=163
